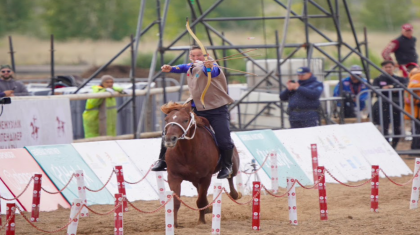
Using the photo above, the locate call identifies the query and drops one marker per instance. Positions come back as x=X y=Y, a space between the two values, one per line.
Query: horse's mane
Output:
x=172 y=106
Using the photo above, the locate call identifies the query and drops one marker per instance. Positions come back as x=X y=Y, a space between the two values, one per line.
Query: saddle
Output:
x=206 y=125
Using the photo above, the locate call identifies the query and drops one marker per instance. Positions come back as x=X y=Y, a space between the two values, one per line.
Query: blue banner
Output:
x=59 y=162
x=261 y=143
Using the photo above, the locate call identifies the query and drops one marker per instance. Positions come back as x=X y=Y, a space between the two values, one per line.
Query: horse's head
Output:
x=180 y=121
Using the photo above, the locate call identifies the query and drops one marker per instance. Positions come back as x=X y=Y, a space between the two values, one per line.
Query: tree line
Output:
x=117 y=19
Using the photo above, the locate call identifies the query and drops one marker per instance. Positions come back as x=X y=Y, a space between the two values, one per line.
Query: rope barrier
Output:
x=105 y=213
x=347 y=185
x=279 y=196
x=54 y=231
x=313 y=186
x=11 y=199
x=198 y=209
x=92 y=190
x=403 y=184
x=150 y=212
x=141 y=178
x=265 y=160
x=5 y=224
x=242 y=203
x=65 y=186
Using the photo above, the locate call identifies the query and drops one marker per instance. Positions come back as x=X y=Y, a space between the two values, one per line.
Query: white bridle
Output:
x=190 y=124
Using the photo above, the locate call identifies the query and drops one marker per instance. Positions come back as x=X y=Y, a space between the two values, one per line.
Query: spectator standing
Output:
x=404 y=48
x=414 y=83
x=352 y=86
x=8 y=85
x=91 y=115
x=303 y=97
x=385 y=83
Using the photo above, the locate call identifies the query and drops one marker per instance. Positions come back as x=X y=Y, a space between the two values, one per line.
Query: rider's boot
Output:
x=161 y=163
x=226 y=170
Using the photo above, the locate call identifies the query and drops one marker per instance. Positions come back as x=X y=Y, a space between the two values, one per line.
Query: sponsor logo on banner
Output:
x=35 y=122
x=263 y=142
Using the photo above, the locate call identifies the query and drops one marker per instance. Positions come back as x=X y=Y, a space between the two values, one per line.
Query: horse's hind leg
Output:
x=233 y=193
x=235 y=168
x=203 y=186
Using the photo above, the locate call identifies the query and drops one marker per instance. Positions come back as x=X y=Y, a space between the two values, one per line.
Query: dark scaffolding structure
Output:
x=200 y=17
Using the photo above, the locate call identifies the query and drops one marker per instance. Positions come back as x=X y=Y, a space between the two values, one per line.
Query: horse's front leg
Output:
x=175 y=186
x=202 y=197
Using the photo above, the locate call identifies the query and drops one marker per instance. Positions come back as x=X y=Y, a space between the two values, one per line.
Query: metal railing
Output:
x=384 y=113
x=252 y=115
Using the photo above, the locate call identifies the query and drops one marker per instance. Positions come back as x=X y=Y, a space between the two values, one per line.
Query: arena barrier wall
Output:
x=5 y=193
x=17 y=169
x=60 y=162
x=262 y=142
x=35 y=122
x=347 y=151
x=144 y=153
x=103 y=156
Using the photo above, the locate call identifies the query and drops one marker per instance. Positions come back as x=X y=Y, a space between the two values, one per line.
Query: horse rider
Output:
x=216 y=100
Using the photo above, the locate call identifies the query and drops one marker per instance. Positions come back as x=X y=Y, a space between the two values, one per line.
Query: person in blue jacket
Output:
x=303 y=97
x=351 y=88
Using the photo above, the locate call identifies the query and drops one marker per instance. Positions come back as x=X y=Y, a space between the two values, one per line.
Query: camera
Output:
x=5 y=100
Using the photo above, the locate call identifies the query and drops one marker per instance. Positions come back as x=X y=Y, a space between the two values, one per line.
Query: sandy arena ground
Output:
x=349 y=213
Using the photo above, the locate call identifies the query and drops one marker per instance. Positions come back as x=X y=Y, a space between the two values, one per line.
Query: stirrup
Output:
x=225 y=175
x=160 y=165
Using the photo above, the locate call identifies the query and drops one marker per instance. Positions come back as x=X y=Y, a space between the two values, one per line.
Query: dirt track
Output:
x=348 y=208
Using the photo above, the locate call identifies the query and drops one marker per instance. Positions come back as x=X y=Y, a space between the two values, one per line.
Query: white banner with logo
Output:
x=35 y=122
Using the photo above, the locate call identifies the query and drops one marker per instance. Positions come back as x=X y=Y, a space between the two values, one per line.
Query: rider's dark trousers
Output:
x=219 y=120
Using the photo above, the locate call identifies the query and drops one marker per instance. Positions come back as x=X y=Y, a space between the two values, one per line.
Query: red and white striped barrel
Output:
x=416 y=186
x=314 y=157
x=217 y=209
x=291 y=199
x=374 y=197
x=118 y=215
x=274 y=172
x=161 y=186
x=74 y=217
x=81 y=190
x=169 y=214
x=121 y=184
x=256 y=205
x=322 y=190
x=36 y=197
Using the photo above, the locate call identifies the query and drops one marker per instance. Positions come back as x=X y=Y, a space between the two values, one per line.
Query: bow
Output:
x=203 y=49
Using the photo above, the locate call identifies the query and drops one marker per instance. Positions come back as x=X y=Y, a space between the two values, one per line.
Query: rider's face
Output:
x=196 y=54
x=388 y=68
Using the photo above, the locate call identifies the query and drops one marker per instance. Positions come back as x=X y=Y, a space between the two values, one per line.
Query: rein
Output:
x=190 y=124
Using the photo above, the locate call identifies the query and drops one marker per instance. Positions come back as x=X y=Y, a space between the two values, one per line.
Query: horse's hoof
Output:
x=239 y=195
x=208 y=210
x=201 y=222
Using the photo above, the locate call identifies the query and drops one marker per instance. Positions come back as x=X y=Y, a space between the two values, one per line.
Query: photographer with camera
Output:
x=8 y=85
x=351 y=88
x=303 y=97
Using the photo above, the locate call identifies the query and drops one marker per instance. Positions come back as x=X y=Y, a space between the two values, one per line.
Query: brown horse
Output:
x=192 y=155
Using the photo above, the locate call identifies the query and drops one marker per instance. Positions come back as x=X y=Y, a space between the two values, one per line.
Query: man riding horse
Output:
x=203 y=74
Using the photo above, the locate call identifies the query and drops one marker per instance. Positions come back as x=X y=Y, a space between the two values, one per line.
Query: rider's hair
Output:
x=193 y=47
x=386 y=62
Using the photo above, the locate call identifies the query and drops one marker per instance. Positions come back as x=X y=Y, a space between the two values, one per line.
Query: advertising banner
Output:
x=59 y=162
x=103 y=156
x=262 y=142
x=5 y=193
x=144 y=153
x=16 y=169
x=35 y=122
